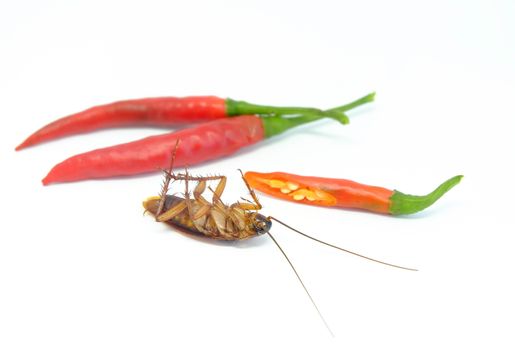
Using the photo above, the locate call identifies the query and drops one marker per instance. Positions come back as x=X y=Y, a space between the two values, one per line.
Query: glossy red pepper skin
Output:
x=170 y=111
x=200 y=143
x=158 y=111
x=321 y=191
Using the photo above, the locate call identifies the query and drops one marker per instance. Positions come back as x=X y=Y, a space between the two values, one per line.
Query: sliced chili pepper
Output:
x=342 y=193
x=159 y=111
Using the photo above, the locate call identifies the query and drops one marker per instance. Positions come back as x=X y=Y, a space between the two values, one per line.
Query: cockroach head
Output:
x=262 y=224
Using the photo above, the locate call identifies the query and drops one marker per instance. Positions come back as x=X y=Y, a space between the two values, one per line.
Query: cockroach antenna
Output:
x=269 y=218
x=340 y=248
x=303 y=285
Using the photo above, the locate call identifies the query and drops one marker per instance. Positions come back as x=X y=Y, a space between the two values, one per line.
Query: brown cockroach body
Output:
x=211 y=219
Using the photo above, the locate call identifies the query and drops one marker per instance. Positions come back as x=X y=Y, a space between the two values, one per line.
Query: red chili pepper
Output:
x=160 y=111
x=342 y=193
x=200 y=143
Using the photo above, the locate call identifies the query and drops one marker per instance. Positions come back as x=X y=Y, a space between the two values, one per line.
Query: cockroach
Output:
x=219 y=221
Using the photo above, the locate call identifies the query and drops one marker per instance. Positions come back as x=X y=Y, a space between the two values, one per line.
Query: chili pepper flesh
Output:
x=341 y=193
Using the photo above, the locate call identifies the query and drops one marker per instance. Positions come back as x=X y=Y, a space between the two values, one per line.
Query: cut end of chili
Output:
x=404 y=204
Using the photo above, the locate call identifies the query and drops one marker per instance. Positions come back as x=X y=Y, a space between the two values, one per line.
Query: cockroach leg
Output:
x=164 y=191
x=172 y=212
x=217 y=201
x=205 y=206
x=220 y=187
x=168 y=178
x=187 y=197
x=251 y=191
x=197 y=192
x=202 y=211
x=246 y=206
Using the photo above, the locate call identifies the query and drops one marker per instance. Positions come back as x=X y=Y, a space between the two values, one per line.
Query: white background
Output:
x=82 y=268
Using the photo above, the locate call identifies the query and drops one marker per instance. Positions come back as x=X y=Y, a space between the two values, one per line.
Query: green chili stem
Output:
x=403 y=204
x=235 y=108
x=361 y=101
x=274 y=125
x=338 y=113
